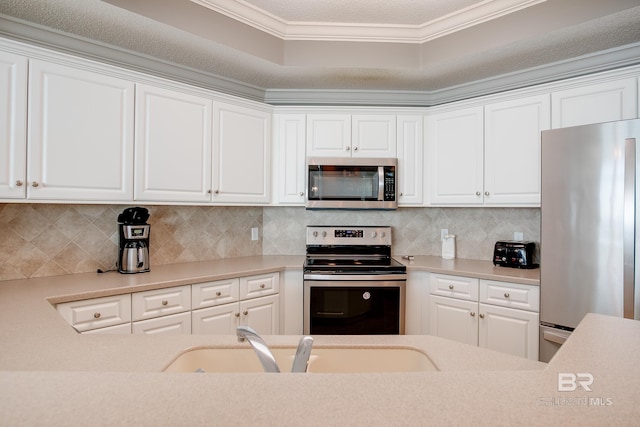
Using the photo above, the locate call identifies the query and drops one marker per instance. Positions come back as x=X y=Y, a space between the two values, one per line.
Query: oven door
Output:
x=354 y=307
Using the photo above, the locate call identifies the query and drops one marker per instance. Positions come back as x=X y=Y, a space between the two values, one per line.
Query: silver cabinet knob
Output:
x=301 y=193
x=236 y=314
x=209 y=191
x=96 y=315
x=35 y=184
x=472 y=314
x=245 y=312
x=165 y=302
x=478 y=193
x=506 y=294
x=347 y=148
x=218 y=294
x=486 y=193
x=262 y=286
x=355 y=148
x=481 y=315
x=19 y=183
x=451 y=287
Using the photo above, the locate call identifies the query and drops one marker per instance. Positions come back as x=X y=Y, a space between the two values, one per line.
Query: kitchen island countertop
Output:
x=50 y=375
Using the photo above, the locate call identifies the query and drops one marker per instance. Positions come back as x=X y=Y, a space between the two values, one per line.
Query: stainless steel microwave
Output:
x=351 y=183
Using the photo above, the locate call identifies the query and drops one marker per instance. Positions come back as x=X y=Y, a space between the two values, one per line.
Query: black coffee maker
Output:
x=134 y=241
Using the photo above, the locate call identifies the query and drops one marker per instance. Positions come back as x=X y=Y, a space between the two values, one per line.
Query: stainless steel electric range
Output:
x=352 y=285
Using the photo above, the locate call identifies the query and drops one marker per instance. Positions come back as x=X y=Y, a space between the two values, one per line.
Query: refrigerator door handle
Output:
x=556 y=337
x=629 y=227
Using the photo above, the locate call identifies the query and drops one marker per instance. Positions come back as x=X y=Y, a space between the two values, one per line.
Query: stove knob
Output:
x=374 y=234
x=383 y=234
x=324 y=234
x=315 y=234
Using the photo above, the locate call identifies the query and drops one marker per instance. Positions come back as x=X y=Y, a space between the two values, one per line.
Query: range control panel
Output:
x=347 y=235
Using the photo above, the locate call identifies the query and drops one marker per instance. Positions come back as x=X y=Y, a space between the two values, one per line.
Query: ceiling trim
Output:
x=255 y=17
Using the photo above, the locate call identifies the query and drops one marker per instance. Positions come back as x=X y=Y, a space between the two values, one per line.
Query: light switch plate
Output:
x=518 y=235
x=254 y=233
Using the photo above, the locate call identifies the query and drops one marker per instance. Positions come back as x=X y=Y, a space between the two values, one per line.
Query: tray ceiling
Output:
x=425 y=47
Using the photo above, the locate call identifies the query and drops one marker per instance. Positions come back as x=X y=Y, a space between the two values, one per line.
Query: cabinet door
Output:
x=596 y=103
x=410 y=160
x=220 y=320
x=512 y=150
x=416 y=316
x=174 y=324
x=453 y=319
x=509 y=331
x=80 y=144
x=373 y=135
x=455 y=156
x=328 y=135
x=241 y=158
x=13 y=126
x=262 y=314
x=173 y=145
x=290 y=158
x=292 y=303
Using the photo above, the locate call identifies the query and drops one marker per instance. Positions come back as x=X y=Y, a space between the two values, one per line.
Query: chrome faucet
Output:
x=265 y=356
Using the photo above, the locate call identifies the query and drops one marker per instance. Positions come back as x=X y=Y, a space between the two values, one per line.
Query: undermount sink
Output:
x=322 y=360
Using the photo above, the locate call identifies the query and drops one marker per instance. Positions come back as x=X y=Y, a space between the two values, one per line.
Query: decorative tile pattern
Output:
x=46 y=240
x=415 y=230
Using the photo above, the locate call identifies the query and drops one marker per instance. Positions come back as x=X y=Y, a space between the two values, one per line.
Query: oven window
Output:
x=354 y=310
x=343 y=183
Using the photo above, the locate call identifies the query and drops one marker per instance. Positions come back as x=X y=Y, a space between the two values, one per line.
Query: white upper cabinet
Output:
x=289 y=161
x=241 y=155
x=512 y=150
x=455 y=156
x=595 y=103
x=13 y=125
x=351 y=135
x=373 y=135
x=173 y=145
x=80 y=143
x=410 y=160
x=328 y=135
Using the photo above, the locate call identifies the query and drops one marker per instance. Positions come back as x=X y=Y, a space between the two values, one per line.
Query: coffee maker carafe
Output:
x=134 y=241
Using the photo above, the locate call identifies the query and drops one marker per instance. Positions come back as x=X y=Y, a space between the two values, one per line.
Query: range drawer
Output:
x=454 y=286
x=97 y=313
x=210 y=294
x=160 y=302
x=514 y=295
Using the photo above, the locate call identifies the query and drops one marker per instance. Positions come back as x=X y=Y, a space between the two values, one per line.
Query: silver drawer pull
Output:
x=262 y=286
x=96 y=315
x=481 y=315
x=19 y=183
x=451 y=287
x=218 y=294
x=246 y=312
x=237 y=314
x=165 y=302
x=506 y=294
x=472 y=314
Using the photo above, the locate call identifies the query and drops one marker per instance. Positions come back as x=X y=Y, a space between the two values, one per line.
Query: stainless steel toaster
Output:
x=516 y=254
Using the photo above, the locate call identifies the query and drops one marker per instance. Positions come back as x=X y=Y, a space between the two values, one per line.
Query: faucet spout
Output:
x=264 y=354
x=301 y=360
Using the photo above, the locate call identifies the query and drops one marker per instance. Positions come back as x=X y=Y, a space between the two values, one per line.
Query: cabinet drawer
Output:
x=257 y=286
x=454 y=286
x=97 y=313
x=514 y=295
x=123 y=329
x=175 y=324
x=219 y=292
x=160 y=302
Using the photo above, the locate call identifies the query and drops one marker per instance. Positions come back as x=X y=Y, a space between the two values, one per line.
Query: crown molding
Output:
x=255 y=17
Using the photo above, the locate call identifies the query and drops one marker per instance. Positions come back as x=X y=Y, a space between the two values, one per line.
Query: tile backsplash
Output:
x=52 y=239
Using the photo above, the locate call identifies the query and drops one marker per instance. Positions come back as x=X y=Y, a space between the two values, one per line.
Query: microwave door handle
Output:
x=381 y=183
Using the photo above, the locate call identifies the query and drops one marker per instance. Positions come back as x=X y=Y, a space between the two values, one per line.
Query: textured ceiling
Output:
x=185 y=33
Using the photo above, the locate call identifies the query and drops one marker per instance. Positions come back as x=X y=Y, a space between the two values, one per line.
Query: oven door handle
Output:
x=354 y=277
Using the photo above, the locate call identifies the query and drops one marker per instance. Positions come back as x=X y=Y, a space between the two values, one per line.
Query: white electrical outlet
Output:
x=518 y=235
x=443 y=232
x=254 y=233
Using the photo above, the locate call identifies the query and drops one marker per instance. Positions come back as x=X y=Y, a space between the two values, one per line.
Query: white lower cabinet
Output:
x=225 y=304
x=97 y=313
x=496 y=315
x=174 y=324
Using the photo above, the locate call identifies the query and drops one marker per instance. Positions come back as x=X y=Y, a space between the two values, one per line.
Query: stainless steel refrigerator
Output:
x=588 y=250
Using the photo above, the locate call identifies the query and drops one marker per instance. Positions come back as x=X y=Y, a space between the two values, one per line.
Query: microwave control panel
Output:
x=389 y=183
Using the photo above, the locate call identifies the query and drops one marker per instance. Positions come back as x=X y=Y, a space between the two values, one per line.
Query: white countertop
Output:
x=50 y=375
